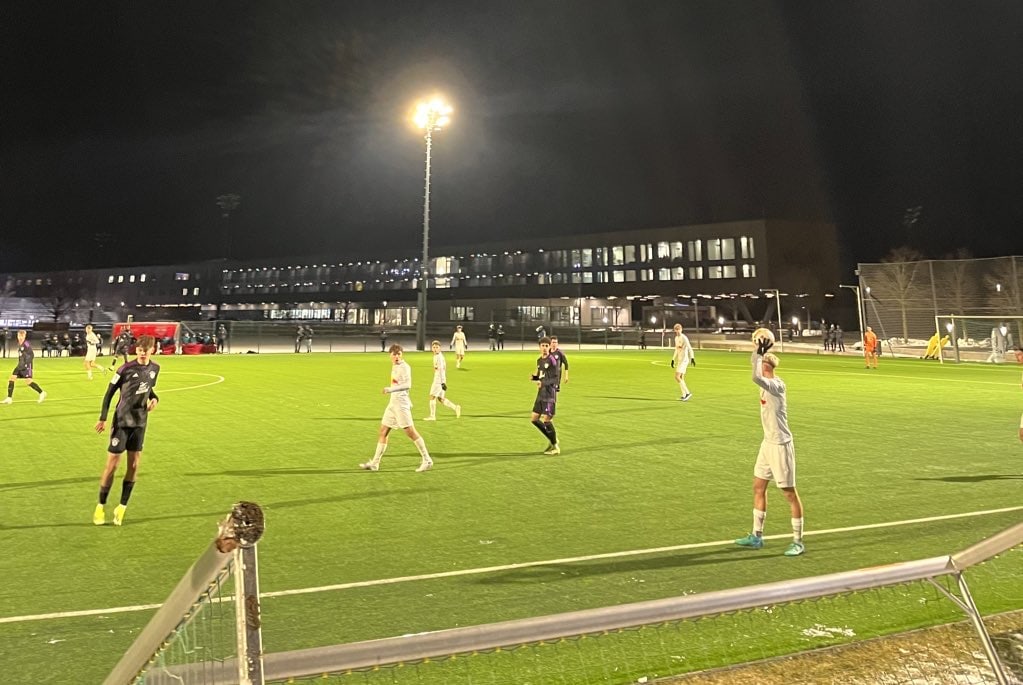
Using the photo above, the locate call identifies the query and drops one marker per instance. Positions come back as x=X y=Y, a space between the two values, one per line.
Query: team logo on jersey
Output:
x=115 y=442
x=152 y=374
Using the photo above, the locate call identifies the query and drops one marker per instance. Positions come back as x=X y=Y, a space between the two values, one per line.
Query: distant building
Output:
x=614 y=279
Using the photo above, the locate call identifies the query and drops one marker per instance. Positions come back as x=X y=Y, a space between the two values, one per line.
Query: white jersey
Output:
x=91 y=339
x=683 y=350
x=458 y=340
x=773 y=405
x=440 y=369
x=401 y=383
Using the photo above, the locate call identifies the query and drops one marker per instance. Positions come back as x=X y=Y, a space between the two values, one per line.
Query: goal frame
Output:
x=942 y=322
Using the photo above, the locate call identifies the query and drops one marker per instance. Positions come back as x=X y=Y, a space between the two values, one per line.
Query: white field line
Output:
x=216 y=380
x=513 y=567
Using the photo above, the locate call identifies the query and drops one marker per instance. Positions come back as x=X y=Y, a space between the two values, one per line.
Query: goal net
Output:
x=988 y=339
x=208 y=629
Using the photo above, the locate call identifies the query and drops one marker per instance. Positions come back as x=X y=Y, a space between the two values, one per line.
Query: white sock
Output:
x=448 y=403
x=683 y=386
x=433 y=408
x=421 y=446
x=378 y=455
x=797 y=529
x=758 y=521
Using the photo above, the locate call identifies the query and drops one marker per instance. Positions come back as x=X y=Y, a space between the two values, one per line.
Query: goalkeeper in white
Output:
x=438 y=390
x=680 y=361
x=777 y=457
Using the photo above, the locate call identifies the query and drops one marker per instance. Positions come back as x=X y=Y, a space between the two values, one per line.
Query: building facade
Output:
x=618 y=279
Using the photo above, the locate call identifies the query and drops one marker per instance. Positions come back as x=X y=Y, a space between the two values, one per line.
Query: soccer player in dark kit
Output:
x=547 y=379
x=23 y=370
x=136 y=381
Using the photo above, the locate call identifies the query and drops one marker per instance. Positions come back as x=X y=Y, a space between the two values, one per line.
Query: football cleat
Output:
x=119 y=514
x=553 y=449
x=795 y=549
x=685 y=398
x=430 y=418
x=42 y=396
x=7 y=400
x=752 y=541
x=425 y=466
x=369 y=466
x=99 y=517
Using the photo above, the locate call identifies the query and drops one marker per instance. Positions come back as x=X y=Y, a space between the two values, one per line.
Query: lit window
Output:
x=120 y=279
x=746 y=247
x=110 y=279
x=696 y=272
x=184 y=291
x=695 y=248
x=721 y=248
x=663 y=251
x=142 y=278
x=676 y=250
x=749 y=270
x=664 y=274
x=131 y=278
x=195 y=291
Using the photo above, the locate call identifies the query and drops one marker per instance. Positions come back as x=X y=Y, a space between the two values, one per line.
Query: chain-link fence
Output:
x=901 y=300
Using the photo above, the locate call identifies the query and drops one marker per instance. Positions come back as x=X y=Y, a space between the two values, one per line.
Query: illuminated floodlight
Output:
x=432 y=114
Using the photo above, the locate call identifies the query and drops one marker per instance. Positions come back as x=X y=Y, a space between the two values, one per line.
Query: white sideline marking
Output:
x=513 y=567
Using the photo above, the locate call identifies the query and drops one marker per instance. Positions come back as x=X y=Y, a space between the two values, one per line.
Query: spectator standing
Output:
x=221 y=338
x=500 y=337
x=839 y=342
x=308 y=338
x=383 y=339
x=492 y=337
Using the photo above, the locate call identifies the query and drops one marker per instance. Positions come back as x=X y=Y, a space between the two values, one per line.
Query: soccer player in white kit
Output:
x=399 y=413
x=439 y=388
x=777 y=457
x=91 y=346
x=459 y=343
x=680 y=361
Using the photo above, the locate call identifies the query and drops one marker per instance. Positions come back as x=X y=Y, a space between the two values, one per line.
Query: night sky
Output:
x=122 y=122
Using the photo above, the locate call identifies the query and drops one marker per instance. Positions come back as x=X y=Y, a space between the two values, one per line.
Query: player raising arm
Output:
x=777 y=457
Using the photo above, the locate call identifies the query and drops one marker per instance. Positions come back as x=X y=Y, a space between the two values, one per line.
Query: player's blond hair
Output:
x=772 y=360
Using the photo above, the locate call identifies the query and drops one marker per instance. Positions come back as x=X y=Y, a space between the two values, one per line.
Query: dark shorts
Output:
x=129 y=439
x=22 y=372
x=545 y=405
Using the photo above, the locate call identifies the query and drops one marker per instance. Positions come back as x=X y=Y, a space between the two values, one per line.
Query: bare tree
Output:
x=898 y=281
x=957 y=278
x=63 y=294
x=1004 y=285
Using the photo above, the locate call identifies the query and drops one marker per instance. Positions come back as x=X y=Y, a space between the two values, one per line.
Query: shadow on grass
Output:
x=220 y=514
x=45 y=483
x=979 y=478
x=47 y=417
x=582 y=569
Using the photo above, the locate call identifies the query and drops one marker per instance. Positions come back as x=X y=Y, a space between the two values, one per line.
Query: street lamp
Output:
x=777 y=300
x=430 y=116
x=859 y=305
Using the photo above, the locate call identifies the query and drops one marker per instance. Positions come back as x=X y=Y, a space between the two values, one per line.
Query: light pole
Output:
x=430 y=116
x=777 y=300
x=859 y=306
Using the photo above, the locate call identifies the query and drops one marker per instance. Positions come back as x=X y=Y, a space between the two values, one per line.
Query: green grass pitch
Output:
x=638 y=470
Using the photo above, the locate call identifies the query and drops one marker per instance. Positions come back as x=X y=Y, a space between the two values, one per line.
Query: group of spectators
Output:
x=304 y=338
x=833 y=338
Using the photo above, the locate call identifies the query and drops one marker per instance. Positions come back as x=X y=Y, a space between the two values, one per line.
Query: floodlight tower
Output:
x=431 y=115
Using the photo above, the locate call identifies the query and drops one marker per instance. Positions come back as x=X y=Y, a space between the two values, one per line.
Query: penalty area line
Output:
x=522 y=565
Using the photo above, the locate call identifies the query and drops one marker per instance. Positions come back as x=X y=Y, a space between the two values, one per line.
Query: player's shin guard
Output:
x=758 y=521
x=797 y=529
x=10 y=388
x=421 y=446
x=104 y=492
x=126 y=487
x=379 y=454
x=540 y=427
x=448 y=403
x=551 y=433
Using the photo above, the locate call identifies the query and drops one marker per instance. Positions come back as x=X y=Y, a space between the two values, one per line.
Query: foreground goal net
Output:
x=208 y=628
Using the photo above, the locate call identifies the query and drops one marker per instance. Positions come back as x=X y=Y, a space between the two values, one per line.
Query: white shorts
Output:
x=460 y=349
x=397 y=417
x=778 y=463
x=682 y=366
x=90 y=354
x=437 y=391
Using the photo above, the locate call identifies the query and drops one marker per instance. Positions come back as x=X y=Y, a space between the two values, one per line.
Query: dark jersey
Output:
x=136 y=383
x=548 y=372
x=562 y=359
x=25 y=356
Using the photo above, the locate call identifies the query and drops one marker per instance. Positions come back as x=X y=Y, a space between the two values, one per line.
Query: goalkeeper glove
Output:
x=673 y=362
x=534 y=377
x=692 y=360
x=444 y=387
x=763 y=346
